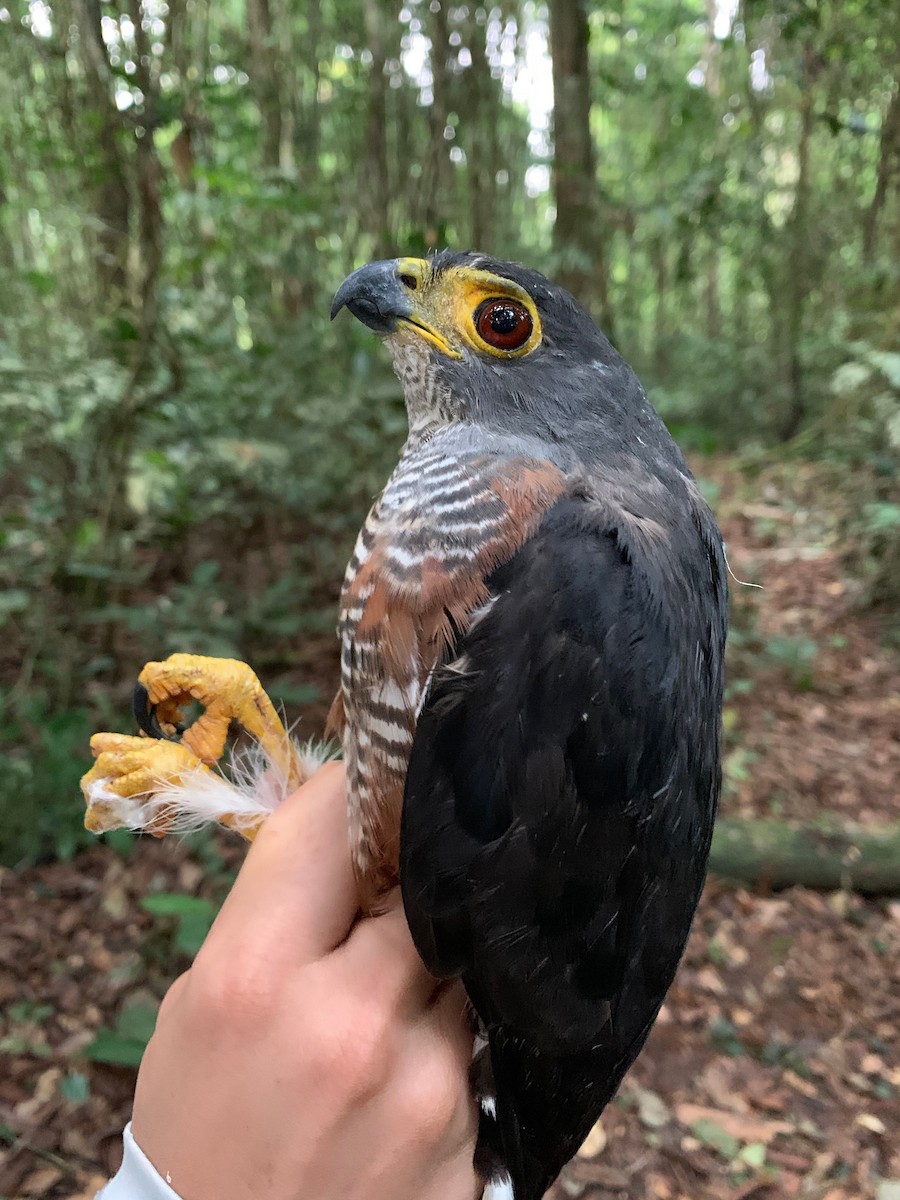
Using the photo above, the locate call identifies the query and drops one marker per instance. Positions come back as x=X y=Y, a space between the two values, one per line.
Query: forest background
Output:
x=188 y=446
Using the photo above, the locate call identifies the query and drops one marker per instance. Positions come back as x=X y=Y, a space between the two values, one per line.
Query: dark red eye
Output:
x=504 y=324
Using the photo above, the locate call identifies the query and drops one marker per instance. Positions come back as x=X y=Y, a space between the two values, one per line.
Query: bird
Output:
x=532 y=628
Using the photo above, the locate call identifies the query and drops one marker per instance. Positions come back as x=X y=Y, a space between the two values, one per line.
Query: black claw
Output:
x=145 y=715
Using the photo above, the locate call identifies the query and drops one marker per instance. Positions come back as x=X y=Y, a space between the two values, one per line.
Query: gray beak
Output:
x=375 y=296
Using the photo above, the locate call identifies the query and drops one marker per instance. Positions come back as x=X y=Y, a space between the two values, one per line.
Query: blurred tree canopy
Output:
x=188 y=446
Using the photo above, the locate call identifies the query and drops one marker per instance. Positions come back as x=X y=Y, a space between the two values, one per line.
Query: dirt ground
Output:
x=774 y=1069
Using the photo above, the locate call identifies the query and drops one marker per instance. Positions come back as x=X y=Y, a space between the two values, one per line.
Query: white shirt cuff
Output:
x=137 y=1178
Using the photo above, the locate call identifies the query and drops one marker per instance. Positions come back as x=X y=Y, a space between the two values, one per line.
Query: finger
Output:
x=453 y=1018
x=452 y=1025
x=295 y=897
x=381 y=950
x=438 y=1055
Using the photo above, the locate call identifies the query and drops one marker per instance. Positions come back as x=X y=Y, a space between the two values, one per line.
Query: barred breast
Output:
x=416 y=580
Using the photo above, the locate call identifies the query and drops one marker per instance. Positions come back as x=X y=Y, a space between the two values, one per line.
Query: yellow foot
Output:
x=136 y=781
x=229 y=691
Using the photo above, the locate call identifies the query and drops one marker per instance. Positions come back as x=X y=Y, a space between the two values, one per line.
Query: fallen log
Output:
x=776 y=855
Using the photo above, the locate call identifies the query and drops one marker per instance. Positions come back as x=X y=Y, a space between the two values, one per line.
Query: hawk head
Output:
x=474 y=338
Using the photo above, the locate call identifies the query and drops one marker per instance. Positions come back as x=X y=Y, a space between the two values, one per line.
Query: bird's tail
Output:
x=499 y=1188
x=501 y=1157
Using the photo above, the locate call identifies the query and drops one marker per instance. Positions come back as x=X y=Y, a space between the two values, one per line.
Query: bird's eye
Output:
x=503 y=324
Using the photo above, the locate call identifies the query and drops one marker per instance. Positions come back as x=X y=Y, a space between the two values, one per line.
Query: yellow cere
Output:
x=444 y=306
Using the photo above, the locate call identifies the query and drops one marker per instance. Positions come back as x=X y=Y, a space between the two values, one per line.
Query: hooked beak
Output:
x=388 y=296
x=376 y=296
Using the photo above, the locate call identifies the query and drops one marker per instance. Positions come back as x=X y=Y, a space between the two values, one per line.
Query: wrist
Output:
x=137 y=1178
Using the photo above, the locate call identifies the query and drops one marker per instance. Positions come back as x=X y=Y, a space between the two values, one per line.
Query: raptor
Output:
x=532 y=629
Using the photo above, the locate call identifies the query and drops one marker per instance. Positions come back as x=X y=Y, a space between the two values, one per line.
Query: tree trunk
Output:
x=888 y=164
x=307 y=122
x=375 y=182
x=576 y=233
x=264 y=65
x=660 y=332
x=775 y=855
x=437 y=178
x=149 y=178
x=799 y=266
x=482 y=96
x=115 y=448
x=112 y=200
x=713 y=304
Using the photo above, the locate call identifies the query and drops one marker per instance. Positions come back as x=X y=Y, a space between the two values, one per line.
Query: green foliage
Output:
x=189 y=446
x=723 y=1036
x=717 y=1138
x=861 y=429
x=861 y=422
x=29 y=1012
x=25 y=1035
x=193 y=916
x=124 y=1045
x=44 y=753
x=796 y=655
x=749 y=649
x=75 y=1088
x=873 y=539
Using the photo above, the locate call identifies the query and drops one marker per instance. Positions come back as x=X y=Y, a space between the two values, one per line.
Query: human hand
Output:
x=304 y=1055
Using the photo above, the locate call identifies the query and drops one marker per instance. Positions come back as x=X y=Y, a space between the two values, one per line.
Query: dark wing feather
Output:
x=559 y=808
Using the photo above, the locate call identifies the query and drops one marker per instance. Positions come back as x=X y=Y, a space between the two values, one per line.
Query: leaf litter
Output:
x=774 y=1068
